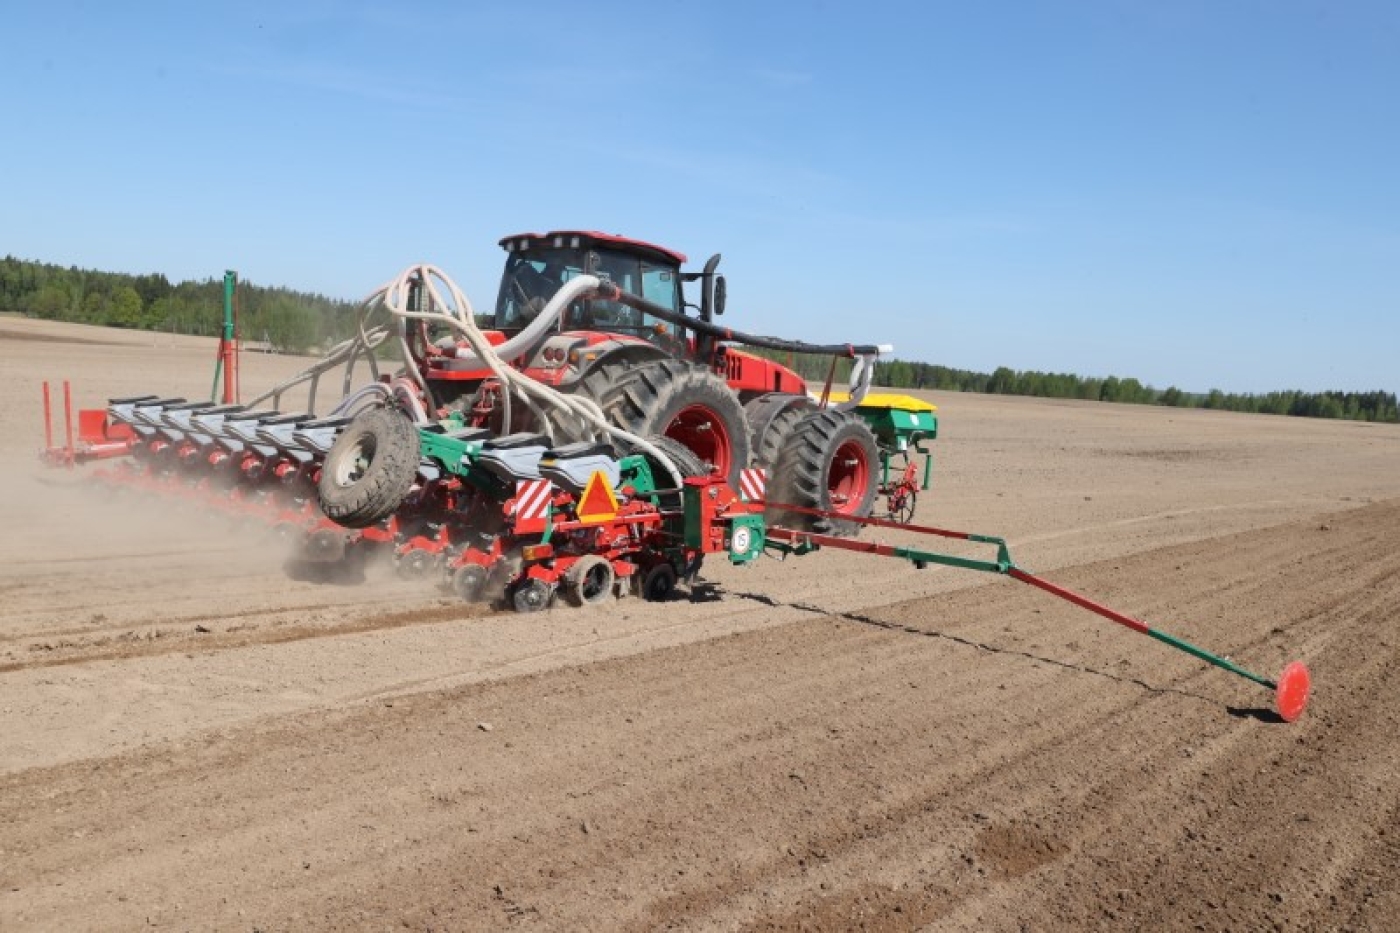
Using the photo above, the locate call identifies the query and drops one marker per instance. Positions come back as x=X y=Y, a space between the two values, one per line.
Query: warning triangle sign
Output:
x=598 y=503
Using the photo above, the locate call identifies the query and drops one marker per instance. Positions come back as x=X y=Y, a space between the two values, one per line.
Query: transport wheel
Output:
x=688 y=404
x=532 y=596
x=590 y=580
x=659 y=583
x=469 y=582
x=370 y=468
x=828 y=462
x=771 y=419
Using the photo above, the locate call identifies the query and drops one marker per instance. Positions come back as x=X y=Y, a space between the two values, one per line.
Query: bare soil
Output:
x=192 y=739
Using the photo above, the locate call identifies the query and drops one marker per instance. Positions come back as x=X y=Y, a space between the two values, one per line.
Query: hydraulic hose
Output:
x=862 y=373
x=579 y=417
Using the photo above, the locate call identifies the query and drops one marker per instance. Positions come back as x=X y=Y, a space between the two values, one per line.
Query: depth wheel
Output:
x=590 y=581
x=469 y=582
x=324 y=546
x=416 y=564
x=659 y=583
x=532 y=596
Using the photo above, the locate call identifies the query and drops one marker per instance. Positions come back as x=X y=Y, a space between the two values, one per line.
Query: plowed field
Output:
x=190 y=739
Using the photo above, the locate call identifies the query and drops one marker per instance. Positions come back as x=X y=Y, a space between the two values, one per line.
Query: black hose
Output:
x=610 y=292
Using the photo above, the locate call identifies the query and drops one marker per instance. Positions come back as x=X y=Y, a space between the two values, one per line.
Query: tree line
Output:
x=1354 y=406
x=283 y=319
x=293 y=321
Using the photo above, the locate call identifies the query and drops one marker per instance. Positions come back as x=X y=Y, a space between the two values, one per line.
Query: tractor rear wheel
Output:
x=771 y=419
x=685 y=462
x=370 y=469
x=829 y=462
x=686 y=403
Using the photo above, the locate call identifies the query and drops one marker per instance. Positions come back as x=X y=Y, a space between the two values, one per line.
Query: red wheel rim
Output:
x=703 y=433
x=849 y=477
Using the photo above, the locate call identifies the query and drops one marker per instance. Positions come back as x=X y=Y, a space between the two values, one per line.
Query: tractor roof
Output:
x=587 y=237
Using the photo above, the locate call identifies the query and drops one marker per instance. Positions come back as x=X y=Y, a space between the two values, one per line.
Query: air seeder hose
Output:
x=578 y=417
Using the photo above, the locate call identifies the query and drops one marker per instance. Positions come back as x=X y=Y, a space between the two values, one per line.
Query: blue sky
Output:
x=1201 y=194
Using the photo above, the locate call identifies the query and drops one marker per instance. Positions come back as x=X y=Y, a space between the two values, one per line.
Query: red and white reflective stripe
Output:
x=532 y=498
x=753 y=484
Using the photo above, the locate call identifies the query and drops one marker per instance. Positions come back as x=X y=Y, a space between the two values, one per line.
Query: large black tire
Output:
x=771 y=419
x=688 y=404
x=830 y=462
x=684 y=461
x=370 y=469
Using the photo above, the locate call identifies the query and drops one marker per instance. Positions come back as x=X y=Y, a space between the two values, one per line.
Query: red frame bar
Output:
x=1082 y=601
x=877 y=522
x=67 y=417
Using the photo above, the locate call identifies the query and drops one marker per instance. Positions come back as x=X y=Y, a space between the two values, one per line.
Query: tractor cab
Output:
x=539 y=264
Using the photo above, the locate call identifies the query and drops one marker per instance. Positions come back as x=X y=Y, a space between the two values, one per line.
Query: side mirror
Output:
x=721 y=291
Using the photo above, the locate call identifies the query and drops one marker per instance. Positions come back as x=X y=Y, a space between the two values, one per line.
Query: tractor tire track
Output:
x=162 y=640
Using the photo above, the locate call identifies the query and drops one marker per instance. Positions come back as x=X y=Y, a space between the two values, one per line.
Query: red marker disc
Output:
x=1292 y=691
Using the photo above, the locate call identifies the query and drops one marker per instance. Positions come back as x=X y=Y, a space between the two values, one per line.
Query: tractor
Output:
x=656 y=369
x=591 y=362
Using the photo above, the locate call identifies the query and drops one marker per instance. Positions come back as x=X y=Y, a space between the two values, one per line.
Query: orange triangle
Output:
x=598 y=503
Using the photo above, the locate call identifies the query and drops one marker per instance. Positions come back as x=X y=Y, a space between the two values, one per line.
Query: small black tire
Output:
x=659 y=583
x=532 y=595
x=370 y=469
x=590 y=581
x=830 y=462
x=324 y=546
x=469 y=582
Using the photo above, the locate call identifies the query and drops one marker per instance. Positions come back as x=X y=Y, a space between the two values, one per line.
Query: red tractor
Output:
x=658 y=366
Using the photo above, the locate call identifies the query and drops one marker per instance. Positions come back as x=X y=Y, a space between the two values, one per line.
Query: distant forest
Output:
x=1354 y=406
x=292 y=321
x=278 y=318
